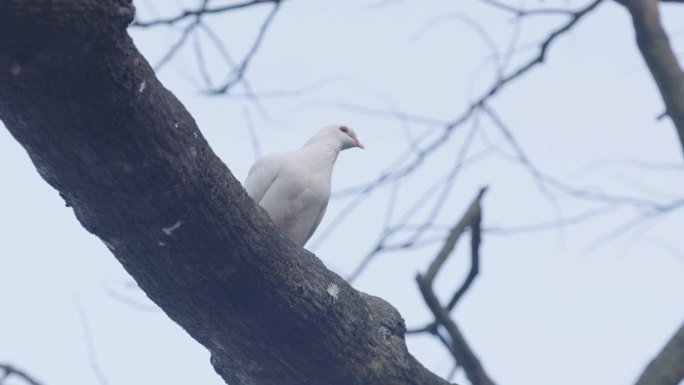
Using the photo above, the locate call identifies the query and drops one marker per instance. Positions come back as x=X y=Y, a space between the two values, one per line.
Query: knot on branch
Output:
x=389 y=316
x=124 y=12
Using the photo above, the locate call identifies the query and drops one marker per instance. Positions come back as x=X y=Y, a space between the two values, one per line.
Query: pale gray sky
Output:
x=548 y=307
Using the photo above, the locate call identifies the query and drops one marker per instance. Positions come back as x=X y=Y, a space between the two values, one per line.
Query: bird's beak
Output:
x=358 y=144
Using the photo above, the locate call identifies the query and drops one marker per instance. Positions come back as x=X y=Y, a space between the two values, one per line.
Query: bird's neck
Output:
x=325 y=151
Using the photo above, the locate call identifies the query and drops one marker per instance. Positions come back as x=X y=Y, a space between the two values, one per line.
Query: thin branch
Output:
x=239 y=72
x=541 y=54
x=249 y=94
x=201 y=11
x=201 y=62
x=521 y=12
x=524 y=160
x=641 y=220
x=295 y=93
x=129 y=301
x=471 y=215
x=475 y=241
x=412 y=242
x=476 y=27
x=253 y=137
x=9 y=370
x=380 y=113
x=175 y=47
x=451 y=177
x=577 y=193
x=550 y=225
x=630 y=162
x=90 y=345
x=420 y=157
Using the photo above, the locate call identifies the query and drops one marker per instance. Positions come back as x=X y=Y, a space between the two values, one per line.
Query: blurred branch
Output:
x=549 y=225
x=9 y=371
x=667 y=368
x=201 y=11
x=114 y=294
x=575 y=17
x=520 y=12
x=253 y=137
x=456 y=342
x=239 y=72
x=90 y=345
x=179 y=43
x=475 y=241
x=644 y=218
x=413 y=241
x=471 y=216
x=411 y=161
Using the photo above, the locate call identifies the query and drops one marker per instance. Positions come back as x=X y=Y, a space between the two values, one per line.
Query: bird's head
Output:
x=340 y=137
x=346 y=136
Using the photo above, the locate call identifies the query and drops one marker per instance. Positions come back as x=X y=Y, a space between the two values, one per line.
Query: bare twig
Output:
x=9 y=371
x=472 y=215
x=550 y=225
x=382 y=244
x=521 y=12
x=199 y=12
x=185 y=34
x=475 y=240
x=201 y=63
x=253 y=137
x=129 y=301
x=92 y=353
x=402 y=168
x=237 y=75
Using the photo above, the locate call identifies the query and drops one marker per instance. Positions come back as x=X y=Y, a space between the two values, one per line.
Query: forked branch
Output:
x=456 y=343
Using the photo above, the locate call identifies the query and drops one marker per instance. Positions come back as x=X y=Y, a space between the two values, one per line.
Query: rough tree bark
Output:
x=661 y=60
x=667 y=368
x=130 y=160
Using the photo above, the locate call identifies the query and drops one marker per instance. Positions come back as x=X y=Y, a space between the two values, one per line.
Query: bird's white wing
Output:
x=261 y=176
x=316 y=222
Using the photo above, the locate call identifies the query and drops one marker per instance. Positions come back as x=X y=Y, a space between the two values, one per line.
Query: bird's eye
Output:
x=344 y=129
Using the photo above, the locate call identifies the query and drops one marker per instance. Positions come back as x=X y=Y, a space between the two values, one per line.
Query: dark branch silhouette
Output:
x=195 y=18
x=199 y=12
x=667 y=368
x=456 y=342
x=8 y=371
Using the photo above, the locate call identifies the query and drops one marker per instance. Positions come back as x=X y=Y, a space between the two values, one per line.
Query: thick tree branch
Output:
x=667 y=368
x=130 y=160
x=661 y=60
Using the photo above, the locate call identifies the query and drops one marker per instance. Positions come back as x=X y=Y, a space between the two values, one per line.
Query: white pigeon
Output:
x=294 y=187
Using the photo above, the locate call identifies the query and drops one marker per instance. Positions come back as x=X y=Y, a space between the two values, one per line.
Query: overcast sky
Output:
x=554 y=307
